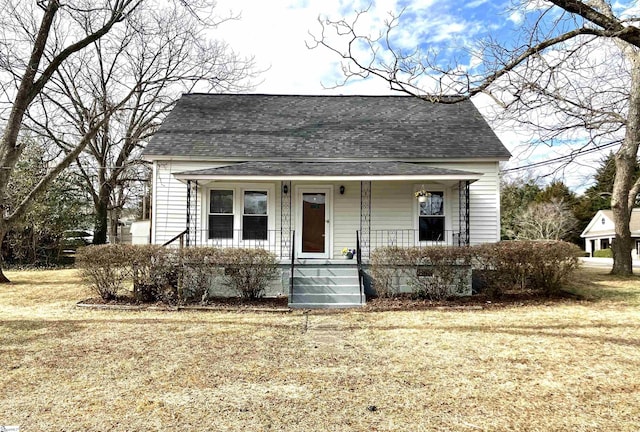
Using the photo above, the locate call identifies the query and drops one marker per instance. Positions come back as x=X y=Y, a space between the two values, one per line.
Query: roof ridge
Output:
x=310 y=95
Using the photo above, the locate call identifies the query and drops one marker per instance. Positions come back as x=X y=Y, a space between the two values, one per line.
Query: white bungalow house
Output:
x=308 y=176
x=600 y=232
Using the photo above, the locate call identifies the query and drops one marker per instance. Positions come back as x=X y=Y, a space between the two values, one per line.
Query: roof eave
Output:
x=457 y=177
x=152 y=158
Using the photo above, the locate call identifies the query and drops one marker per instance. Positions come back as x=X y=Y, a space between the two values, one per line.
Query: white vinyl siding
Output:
x=393 y=204
x=170 y=200
x=484 y=201
x=346 y=216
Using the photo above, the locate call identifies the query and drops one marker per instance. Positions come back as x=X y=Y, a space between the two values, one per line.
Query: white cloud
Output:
x=516 y=17
x=275 y=33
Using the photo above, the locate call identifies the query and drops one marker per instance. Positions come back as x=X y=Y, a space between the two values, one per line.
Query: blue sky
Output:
x=276 y=32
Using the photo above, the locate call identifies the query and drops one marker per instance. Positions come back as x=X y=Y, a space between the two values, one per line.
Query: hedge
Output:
x=537 y=265
x=174 y=275
x=603 y=253
x=444 y=264
x=509 y=265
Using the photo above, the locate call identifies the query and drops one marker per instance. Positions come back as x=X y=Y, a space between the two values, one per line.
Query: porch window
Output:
x=221 y=214
x=604 y=244
x=431 y=218
x=254 y=217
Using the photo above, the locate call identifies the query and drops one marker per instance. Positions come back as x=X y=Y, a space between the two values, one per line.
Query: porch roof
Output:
x=260 y=170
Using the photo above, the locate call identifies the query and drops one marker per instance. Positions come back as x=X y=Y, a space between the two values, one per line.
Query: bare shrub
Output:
x=248 y=271
x=384 y=264
x=156 y=272
x=199 y=265
x=552 y=264
x=433 y=272
x=105 y=268
x=520 y=265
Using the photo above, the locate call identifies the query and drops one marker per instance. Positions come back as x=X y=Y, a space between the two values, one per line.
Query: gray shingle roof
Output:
x=323 y=127
x=325 y=169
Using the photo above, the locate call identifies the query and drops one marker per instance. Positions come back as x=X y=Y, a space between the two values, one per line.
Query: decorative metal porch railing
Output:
x=412 y=238
x=268 y=240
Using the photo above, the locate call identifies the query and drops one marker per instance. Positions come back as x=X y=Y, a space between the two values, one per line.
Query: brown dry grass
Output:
x=569 y=365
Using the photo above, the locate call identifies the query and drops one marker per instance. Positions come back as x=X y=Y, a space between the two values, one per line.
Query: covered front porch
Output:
x=320 y=211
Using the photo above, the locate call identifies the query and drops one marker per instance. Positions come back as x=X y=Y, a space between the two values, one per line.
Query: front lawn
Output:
x=552 y=365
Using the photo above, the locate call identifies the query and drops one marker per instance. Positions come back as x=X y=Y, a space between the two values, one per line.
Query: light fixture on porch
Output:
x=341 y=189
x=285 y=189
x=422 y=195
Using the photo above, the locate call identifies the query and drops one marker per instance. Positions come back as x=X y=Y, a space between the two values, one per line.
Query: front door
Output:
x=313 y=222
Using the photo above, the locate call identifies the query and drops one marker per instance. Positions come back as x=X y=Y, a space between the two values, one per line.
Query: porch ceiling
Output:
x=264 y=170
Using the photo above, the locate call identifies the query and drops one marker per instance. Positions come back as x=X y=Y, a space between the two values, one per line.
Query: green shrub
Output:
x=603 y=253
x=248 y=271
x=431 y=272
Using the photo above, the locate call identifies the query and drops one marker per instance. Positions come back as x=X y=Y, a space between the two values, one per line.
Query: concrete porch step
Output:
x=326 y=280
x=326 y=286
x=325 y=271
x=326 y=289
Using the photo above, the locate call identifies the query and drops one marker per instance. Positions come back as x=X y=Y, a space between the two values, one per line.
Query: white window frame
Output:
x=208 y=212
x=238 y=213
x=445 y=208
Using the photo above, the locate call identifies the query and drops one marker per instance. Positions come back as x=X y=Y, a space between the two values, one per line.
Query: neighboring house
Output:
x=600 y=232
x=252 y=170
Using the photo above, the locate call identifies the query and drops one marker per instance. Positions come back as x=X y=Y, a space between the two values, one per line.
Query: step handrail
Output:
x=360 y=271
x=179 y=236
x=293 y=263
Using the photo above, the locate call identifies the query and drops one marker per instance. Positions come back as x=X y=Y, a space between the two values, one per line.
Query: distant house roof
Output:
x=328 y=169
x=592 y=229
x=279 y=127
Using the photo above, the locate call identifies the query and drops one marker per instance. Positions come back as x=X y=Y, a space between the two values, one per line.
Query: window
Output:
x=431 y=218
x=254 y=215
x=604 y=243
x=221 y=214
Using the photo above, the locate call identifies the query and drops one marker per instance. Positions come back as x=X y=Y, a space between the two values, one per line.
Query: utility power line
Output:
x=560 y=158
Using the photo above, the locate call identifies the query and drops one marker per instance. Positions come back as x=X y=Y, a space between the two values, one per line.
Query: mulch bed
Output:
x=474 y=302
x=374 y=304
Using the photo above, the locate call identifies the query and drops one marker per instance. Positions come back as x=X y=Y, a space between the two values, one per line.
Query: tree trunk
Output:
x=101 y=226
x=626 y=160
x=3 y=278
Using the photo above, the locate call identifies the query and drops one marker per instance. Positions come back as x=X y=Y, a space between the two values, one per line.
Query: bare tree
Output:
x=30 y=57
x=160 y=53
x=574 y=74
x=551 y=220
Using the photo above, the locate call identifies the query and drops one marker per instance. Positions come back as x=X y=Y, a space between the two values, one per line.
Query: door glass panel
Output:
x=313 y=223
